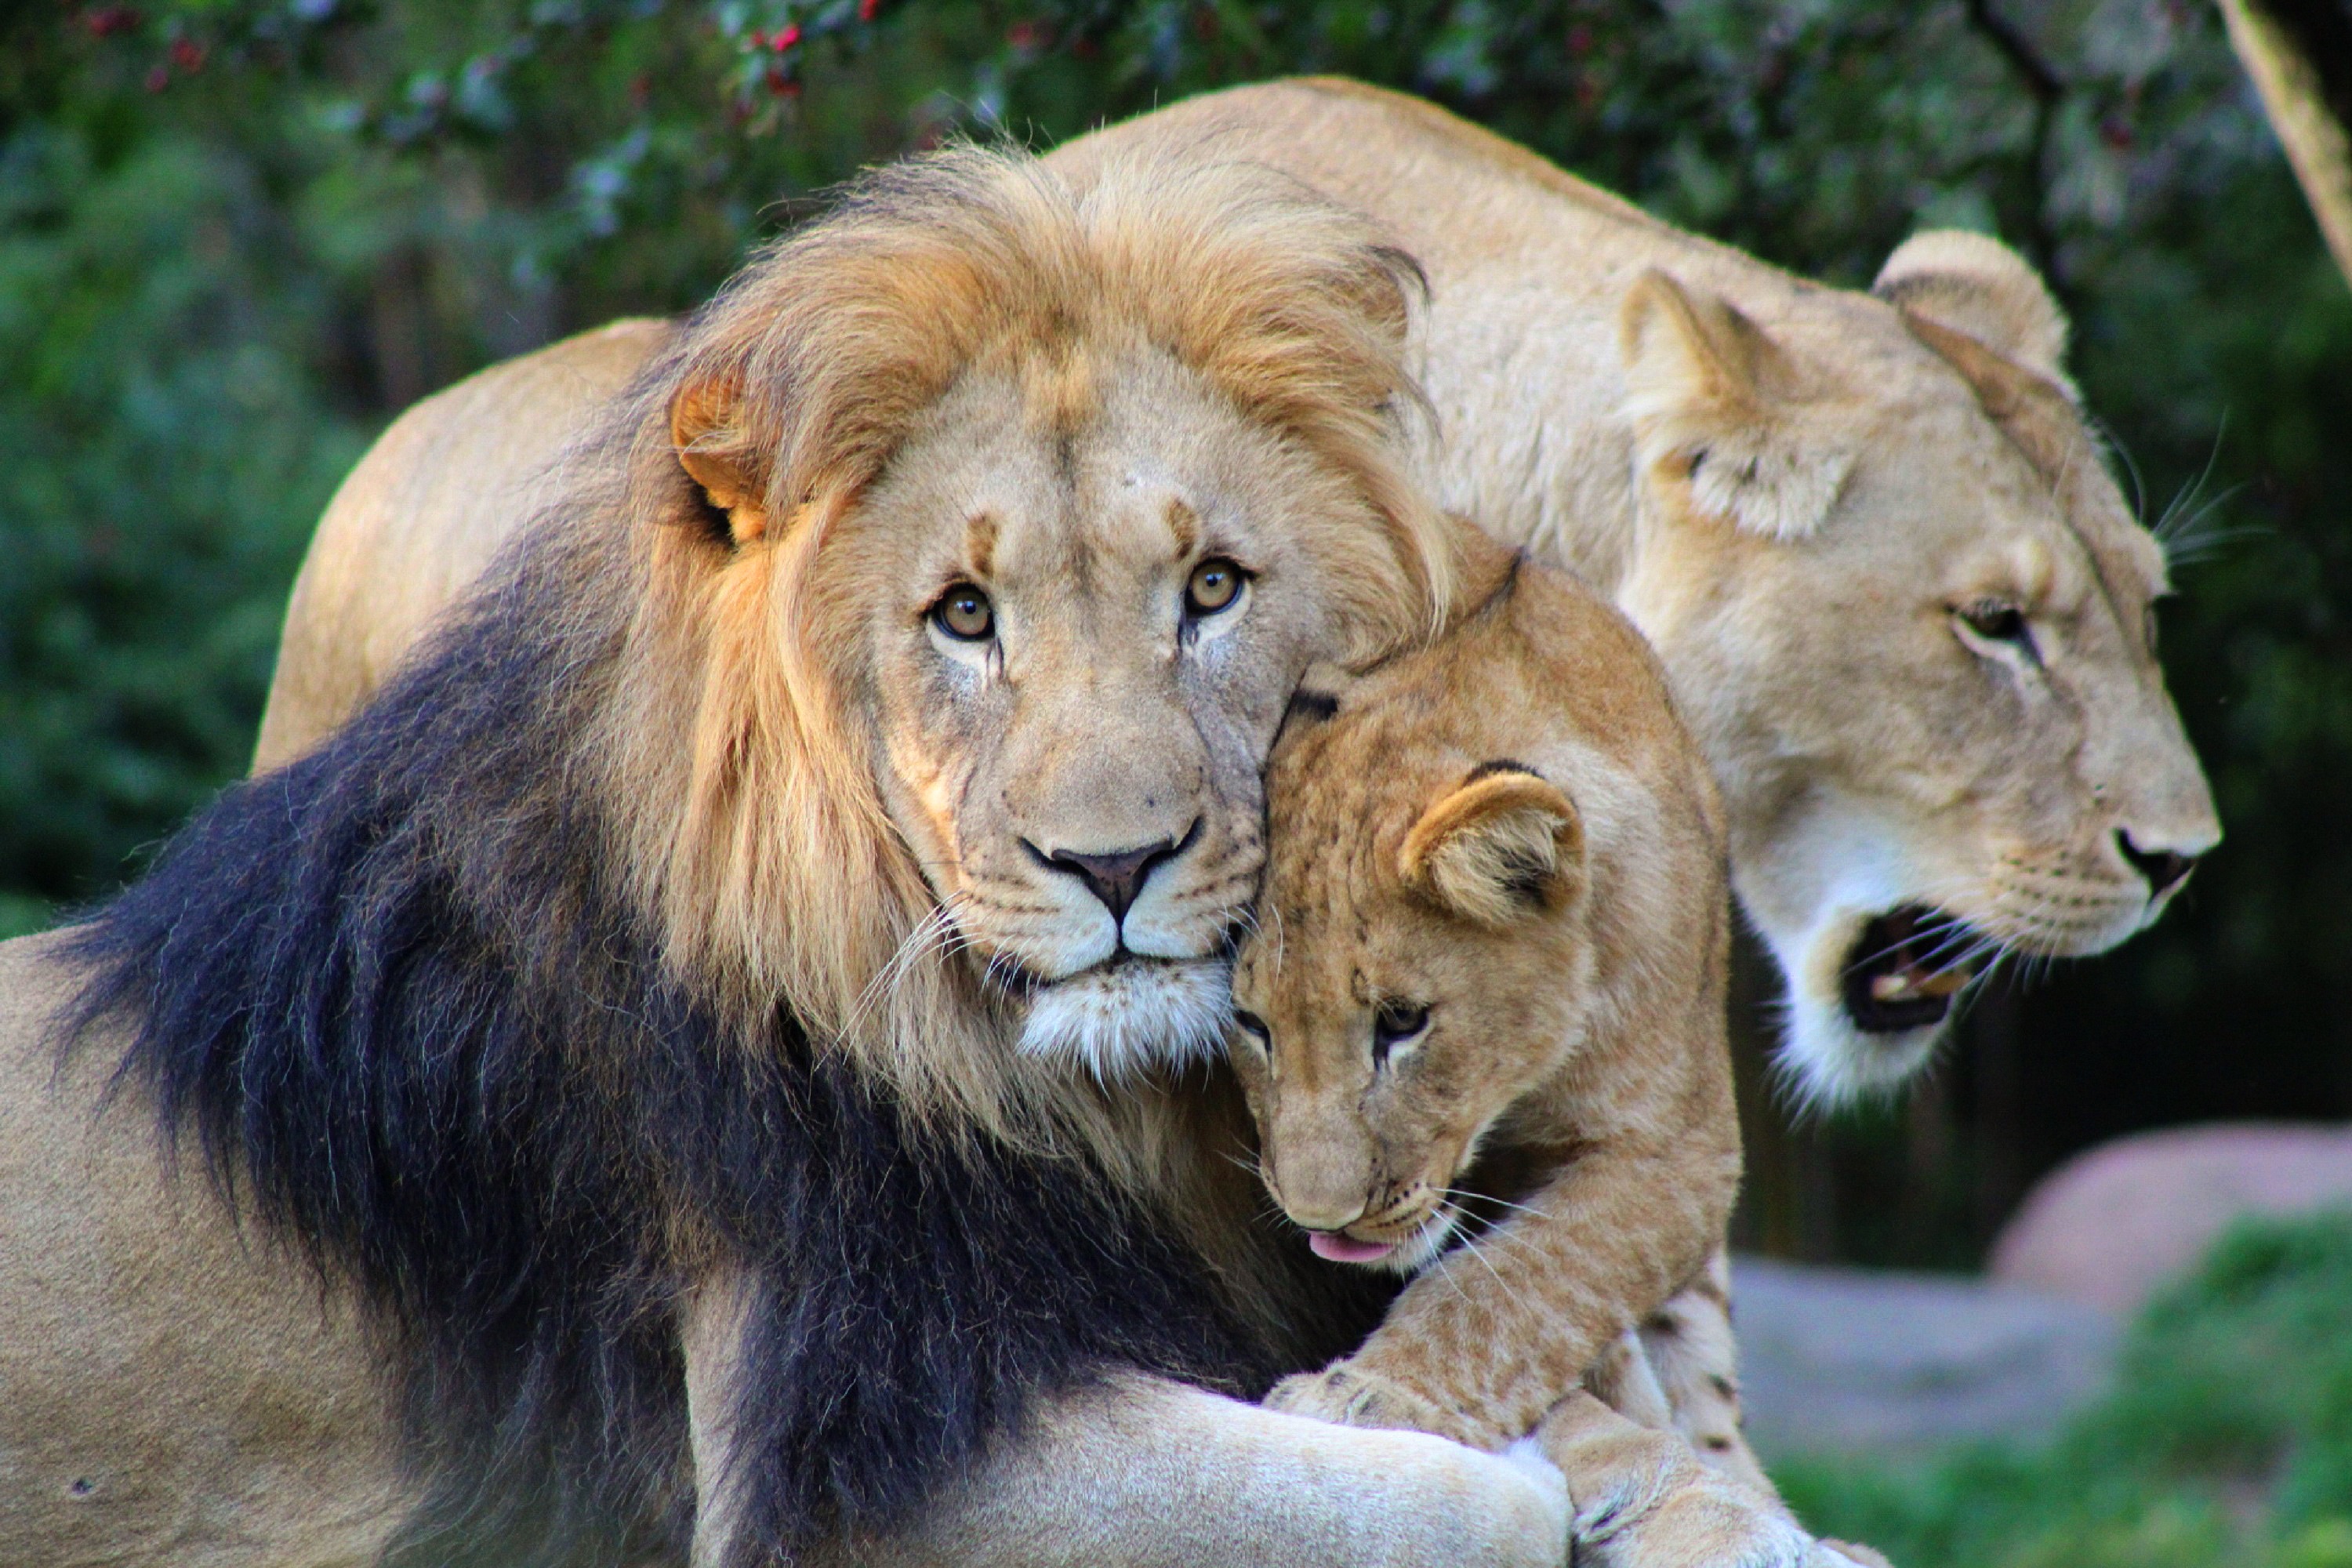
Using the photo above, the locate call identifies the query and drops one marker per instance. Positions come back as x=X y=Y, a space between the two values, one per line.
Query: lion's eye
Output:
x=1997 y=620
x=1396 y=1024
x=1252 y=1024
x=964 y=613
x=1215 y=584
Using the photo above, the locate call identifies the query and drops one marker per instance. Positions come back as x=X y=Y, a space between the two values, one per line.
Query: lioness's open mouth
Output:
x=1905 y=967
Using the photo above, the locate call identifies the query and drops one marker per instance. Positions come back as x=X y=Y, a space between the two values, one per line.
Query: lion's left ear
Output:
x=716 y=455
x=1976 y=286
x=1504 y=846
x=1723 y=414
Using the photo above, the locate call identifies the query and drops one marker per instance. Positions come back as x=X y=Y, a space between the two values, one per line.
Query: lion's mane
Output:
x=577 y=966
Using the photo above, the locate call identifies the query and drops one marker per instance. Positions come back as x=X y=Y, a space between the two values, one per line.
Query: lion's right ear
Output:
x=716 y=454
x=1719 y=407
x=1504 y=845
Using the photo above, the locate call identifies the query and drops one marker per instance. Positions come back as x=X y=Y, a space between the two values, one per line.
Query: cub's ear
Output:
x=1719 y=409
x=1502 y=847
x=716 y=455
x=1978 y=287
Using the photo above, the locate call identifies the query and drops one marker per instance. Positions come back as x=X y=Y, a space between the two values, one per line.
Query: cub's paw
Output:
x=1692 y=1519
x=1341 y=1393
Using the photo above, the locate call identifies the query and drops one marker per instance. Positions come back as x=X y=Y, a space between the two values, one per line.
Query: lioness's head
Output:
x=1421 y=964
x=1911 y=617
x=1015 y=515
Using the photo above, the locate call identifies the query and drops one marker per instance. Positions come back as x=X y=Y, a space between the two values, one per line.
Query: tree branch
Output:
x=2040 y=77
x=2299 y=53
x=2046 y=87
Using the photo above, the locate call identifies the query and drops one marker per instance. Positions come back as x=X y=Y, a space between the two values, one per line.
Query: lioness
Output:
x=1480 y=1023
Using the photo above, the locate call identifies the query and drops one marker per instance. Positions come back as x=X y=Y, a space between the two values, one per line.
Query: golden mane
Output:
x=763 y=850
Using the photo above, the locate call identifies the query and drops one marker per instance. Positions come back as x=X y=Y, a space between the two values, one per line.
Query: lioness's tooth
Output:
x=1891 y=988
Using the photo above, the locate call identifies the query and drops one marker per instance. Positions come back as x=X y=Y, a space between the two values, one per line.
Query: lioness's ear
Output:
x=1501 y=846
x=1715 y=405
x=1978 y=287
x=713 y=450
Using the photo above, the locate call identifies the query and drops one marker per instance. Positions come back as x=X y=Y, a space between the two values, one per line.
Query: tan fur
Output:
x=1509 y=834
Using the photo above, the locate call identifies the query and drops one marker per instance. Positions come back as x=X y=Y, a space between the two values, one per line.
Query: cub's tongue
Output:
x=1340 y=1250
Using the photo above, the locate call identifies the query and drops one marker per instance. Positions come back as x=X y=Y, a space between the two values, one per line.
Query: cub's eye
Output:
x=1396 y=1024
x=1215 y=584
x=964 y=613
x=1997 y=620
x=1253 y=1024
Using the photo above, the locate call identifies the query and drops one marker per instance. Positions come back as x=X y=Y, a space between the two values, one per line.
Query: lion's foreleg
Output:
x=1140 y=1472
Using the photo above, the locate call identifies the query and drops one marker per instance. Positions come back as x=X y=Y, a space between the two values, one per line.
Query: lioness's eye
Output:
x=1396 y=1024
x=1997 y=620
x=964 y=613
x=1215 y=584
x=1252 y=1024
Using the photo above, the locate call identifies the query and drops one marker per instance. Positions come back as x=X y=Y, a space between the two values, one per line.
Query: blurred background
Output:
x=236 y=238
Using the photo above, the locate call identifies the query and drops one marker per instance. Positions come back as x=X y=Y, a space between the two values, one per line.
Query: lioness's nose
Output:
x=1117 y=877
x=2162 y=867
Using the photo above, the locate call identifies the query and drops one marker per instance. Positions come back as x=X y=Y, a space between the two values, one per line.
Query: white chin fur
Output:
x=1828 y=1060
x=1141 y=1013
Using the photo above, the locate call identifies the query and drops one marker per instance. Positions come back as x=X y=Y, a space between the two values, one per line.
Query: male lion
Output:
x=585 y=1009
x=1901 y=602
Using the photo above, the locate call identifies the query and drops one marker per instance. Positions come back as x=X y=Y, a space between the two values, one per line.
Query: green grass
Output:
x=2226 y=1442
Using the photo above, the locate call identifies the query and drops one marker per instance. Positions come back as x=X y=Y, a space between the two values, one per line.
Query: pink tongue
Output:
x=1340 y=1249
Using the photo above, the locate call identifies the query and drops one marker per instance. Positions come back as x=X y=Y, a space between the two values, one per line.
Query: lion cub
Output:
x=1480 y=1028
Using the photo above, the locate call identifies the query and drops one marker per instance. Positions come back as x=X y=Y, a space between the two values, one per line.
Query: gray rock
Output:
x=1877 y=1361
x=2111 y=1224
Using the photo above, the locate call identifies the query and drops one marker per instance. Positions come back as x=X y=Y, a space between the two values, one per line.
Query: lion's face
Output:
x=1935 y=711
x=1084 y=635
x=1000 y=520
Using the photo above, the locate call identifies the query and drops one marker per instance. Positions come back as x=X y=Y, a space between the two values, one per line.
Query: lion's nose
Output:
x=1117 y=878
x=2162 y=867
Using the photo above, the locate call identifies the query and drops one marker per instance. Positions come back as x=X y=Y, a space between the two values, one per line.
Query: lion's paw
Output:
x=1346 y=1395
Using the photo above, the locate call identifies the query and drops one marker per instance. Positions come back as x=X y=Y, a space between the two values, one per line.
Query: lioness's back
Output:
x=415 y=522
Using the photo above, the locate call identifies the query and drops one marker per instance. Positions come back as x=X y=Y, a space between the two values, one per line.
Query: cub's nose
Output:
x=1116 y=877
x=2162 y=867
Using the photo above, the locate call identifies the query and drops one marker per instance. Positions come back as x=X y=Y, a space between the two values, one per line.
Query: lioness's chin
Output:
x=1870 y=995
x=1119 y=1019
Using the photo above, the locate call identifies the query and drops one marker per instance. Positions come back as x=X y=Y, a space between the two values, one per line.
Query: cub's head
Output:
x=1010 y=517
x=1911 y=618
x=1422 y=960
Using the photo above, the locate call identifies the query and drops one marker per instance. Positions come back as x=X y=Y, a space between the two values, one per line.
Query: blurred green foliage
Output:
x=2227 y=1442
x=237 y=235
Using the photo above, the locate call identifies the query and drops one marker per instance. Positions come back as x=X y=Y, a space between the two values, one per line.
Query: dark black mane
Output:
x=390 y=992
